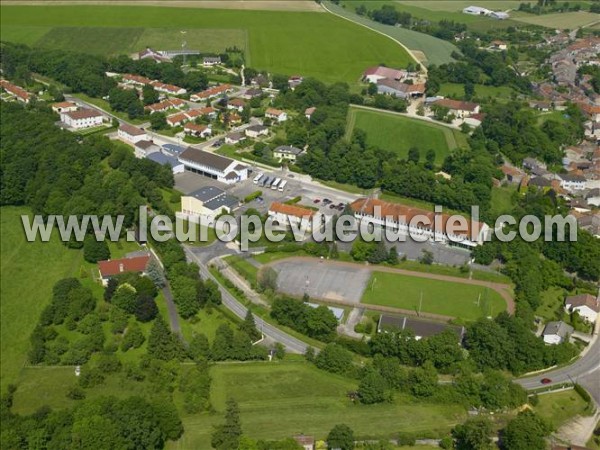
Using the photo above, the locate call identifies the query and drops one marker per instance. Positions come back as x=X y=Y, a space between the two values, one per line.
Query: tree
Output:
x=227 y=436
x=94 y=250
x=469 y=90
x=334 y=358
x=372 y=387
x=248 y=326
x=149 y=94
x=267 y=279
x=199 y=348
x=527 y=431
x=158 y=121
x=372 y=89
x=423 y=380
x=414 y=155
x=430 y=159
x=125 y=298
x=426 y=257
x=155 y=273
x=145 y=308
x=110 y=289
x=185 y=296
x=163 y=344
x=134 y=337
x=474 y=434
x=342 y=437
x=393 y=256
x=222 y=347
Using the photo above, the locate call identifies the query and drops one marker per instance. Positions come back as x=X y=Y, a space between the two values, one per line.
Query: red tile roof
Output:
x=456 y=105
x=291 y=210
x=116 y=266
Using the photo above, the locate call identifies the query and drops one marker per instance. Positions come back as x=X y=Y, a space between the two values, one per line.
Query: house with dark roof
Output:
x=144 y=148
x=255 y=131
x=164 y=159
x=235 y=138
x=131 y=134
x=572 y=182
x=556 y=332
x=419 y=327
x=217 y=167
x=287 y=152
x=586 y=305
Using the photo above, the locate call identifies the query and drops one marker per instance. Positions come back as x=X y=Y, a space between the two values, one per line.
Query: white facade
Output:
x=586 y=313
x=552 y=339
x=132 y=134
x=224 y=170
x=573 y=183
x=77 y=121
x=253 y=132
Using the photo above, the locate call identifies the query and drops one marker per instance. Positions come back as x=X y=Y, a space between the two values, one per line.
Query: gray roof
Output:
x=421 y=328
x=173 y=148
x=540 y=182
x=257 y=128
x=569 y=177
x=222 y=201
x=145 y=145
x=593 y=193
x=164 y=159
x=207 y=159
x=557 y=328
x=237 y=136
x=207 y=193
x=288 y=149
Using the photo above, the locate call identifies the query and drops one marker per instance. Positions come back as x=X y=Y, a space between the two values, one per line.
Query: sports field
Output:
x=463 y=301
x=399 y=133
x=29 y=270
x=279 y=400
x=306 y=43
x=435 y=51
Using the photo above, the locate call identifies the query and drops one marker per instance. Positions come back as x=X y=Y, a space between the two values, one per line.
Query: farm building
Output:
x=374 y=74
x=477 y=11
x=209 y=61
x=400 y=89
x=15 y=91
x=459 y=108
x=420 y=328
x=586 y=305
x=83 y=118
x=214 y=166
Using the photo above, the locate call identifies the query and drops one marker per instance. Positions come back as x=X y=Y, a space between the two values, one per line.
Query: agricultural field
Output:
x=562 y=21
x=398 y=133
x=25 y=289
x=333 y=50
x=278 y=400
x=463 y=301
x=427 y=49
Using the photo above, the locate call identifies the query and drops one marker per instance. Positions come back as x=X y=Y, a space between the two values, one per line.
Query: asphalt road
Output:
x=585 y=371
x=291 y=343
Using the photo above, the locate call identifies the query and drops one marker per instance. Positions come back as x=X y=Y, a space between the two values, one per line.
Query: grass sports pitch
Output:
x=398 y=133
x=463 y=301
x=306 y=43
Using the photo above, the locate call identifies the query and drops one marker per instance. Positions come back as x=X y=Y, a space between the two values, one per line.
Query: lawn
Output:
x=311 y=44
x=462 y=301
x=456 y=90
x=243 y=267
x=552 y=301
x=278 y=400
x=560 y=407
x=29 y=270
x=502 y=200
x=398 y=133
x=435 y=51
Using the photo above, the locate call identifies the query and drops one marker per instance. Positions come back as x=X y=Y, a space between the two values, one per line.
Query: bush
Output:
x=407 y=439
x=76 y=393
x=582 y=392
x=252 y=196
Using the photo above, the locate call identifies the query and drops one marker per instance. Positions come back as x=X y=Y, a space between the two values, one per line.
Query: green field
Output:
x=398 y=133
x=278 y=400
x=310 y=44
x=562 y=21
x=435 y=51
x=463 y=301
x=457 y=91
x=26 y=289
x=560 y=407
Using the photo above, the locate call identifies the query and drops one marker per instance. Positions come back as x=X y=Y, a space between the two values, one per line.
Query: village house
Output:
x=306 y=442
x=401 y=218
x=235 y=138
x=308 y=112
x=586 y=305
x=374 y=74
x=236 y=104
x=209 y=61
x=165 y=105
x=82 y=118
x=276 y=114
x=131 y=134
x=255 y=131
x=292 y=215
x=211 y=92
x=534 y=166
x=590 y=223
x=593 y=197
x=201 y=131
x=144 y=148
x=419 y=327
x=251 y=93
x=572 y=182
x=168 y=88
x=498 y=45
x=114 y=267
x=512 y=174
x=234 y=118
x=136 y=80
x=294 y=81
x=214 y=166
x=15 y=91
x=556 y=332
x=207 y=203
x=287 y=152
x=459 y=108
x=177 y=120
x=64 y=107
x=540 y=105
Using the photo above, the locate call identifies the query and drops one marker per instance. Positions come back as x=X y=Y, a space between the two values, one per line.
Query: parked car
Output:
x=546 y=380
x=316 y=200
x=326 y=201
x=332 y=206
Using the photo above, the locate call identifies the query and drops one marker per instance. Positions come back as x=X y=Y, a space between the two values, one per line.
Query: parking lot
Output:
x=320 y=280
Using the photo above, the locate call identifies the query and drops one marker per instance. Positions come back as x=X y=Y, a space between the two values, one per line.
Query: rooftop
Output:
x=206 y=159
x=114 y=267
x=291 y=210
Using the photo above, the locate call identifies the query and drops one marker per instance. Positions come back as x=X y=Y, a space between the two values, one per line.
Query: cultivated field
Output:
x=436 y=51
x=321 y=45
x=463 y=301
x=266 y=5
x=569 y=21
x=459 y=5
x=278 y=400
x=29 y=270
x=399 y=133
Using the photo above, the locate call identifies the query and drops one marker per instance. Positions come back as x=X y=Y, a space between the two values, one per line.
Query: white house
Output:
x=455 y=230
x=256 y=130
x=276 y=114
x=236 y=104
x=202 y=131
x=292 y=215
x=214 y=166
x=572 y=182
x=209 y=61
x=287 y=152
x=586 y=305
x=64 y=107
x=207 y=202
x=477 y=11
x=556 y=332
x=235 y=138
x=82 y=118
x=374 y=74
x=144 y=148
x=168 y=88
x=459 y=108
x=131 y=134
x=306 y=442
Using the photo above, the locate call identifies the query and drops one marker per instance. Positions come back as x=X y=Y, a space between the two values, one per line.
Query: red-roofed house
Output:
x=82 y=118
x=64 y=107
x=193 y=129
x=292 y=215
x=214 y=91
x=131 y=134
x=308 y=112
x=114 y=267
x=136 y=80
x=168 y=88
x=459 y=108
x=276 y=114
x=586 y=305
x=17 y=92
